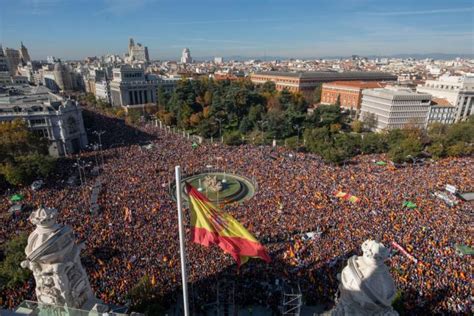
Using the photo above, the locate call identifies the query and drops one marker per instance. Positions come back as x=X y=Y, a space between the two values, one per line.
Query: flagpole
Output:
x=182 y=249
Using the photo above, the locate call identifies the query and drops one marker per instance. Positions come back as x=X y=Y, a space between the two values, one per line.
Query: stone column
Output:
x=132 y=98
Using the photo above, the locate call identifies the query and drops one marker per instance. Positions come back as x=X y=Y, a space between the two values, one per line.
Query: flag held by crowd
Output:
x=213 y=226
x=347 y=196
x=409 y=204
x=404 y=252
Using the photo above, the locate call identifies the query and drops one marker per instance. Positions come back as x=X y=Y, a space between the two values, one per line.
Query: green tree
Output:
x=357 y=126
x=233 y=138
x=269 y=87
x=161 y=97
x=207 y=128
x=292 y=142
x=257 y=137
x=373 y=143
x=23 y=155
x=403 y=150
x=285 y=99
x=317 y=93
x=11 y=274
x=370 y=121
x=338 y=100
x=329 y=114
x=461 y=132
x=437 y=150
x=459 y=149
x=246 y=125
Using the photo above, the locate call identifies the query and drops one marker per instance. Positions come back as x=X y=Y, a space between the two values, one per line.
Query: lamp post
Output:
x=299 y=128
x=261 y=124
x=94 y=148
x=220 y=127
x=100 y=133
x=81 y=167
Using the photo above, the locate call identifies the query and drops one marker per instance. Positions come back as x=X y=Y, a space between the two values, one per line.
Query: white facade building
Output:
x=441 y=111
x=102 y=90
x=130 y=86
x=186 y=56
x=47 y=115
x=441 y=114
x=137 y=52
x=458 y=90
x=3 y=62
x=395 y=108
x=52 y=59
x=13 y=59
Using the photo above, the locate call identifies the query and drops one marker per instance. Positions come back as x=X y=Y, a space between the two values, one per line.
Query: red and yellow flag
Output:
x=213 y=226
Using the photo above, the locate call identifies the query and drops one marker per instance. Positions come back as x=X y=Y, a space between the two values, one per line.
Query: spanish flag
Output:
x=212 y=226
x=347 y=196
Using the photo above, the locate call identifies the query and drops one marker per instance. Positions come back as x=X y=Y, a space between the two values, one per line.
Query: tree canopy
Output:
x=23 y=154
x=11 y=274
x=260 y=113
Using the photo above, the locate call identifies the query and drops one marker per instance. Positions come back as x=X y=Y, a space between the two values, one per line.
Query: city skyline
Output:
x=303 y=29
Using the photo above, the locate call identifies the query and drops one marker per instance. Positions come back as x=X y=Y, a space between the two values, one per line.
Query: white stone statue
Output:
x=212 y=184
x=366 y=286
x=53 y=257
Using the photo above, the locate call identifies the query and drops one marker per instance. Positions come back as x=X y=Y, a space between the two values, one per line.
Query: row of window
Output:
x=34 y=122
x=409 y=109
x=133 y=75
x=397 y=102
x=41 y=132
x=438 y=86
x=403 y=114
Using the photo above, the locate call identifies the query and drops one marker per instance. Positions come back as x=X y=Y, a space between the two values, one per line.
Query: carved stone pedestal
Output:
x=366 y=286
x=53 y=257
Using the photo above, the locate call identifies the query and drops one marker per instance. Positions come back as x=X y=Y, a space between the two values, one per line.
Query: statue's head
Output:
x=44 y=217
x=374 y=251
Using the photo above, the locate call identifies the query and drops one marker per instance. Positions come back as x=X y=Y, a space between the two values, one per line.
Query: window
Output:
x=72 y=125
x=41 y=132
x=37 y=122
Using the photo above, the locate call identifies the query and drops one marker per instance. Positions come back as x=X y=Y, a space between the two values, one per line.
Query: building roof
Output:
x=331 y=75
x=398 y=93
x=441 y=102
x=357 y=84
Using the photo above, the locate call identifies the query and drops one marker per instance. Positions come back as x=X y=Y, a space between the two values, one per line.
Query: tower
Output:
x=3 y=61
x=25 y=57
x=131 y=44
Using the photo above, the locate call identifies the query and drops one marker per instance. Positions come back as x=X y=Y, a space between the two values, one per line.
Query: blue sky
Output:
x=291 y=28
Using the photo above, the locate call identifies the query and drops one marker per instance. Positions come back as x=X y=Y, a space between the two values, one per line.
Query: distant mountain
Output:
x=439 y=56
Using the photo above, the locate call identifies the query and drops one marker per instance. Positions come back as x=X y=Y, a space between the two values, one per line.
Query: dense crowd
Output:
x=136 y=233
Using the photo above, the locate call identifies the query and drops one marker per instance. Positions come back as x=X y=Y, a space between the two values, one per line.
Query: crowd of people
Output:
x=135 y=233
